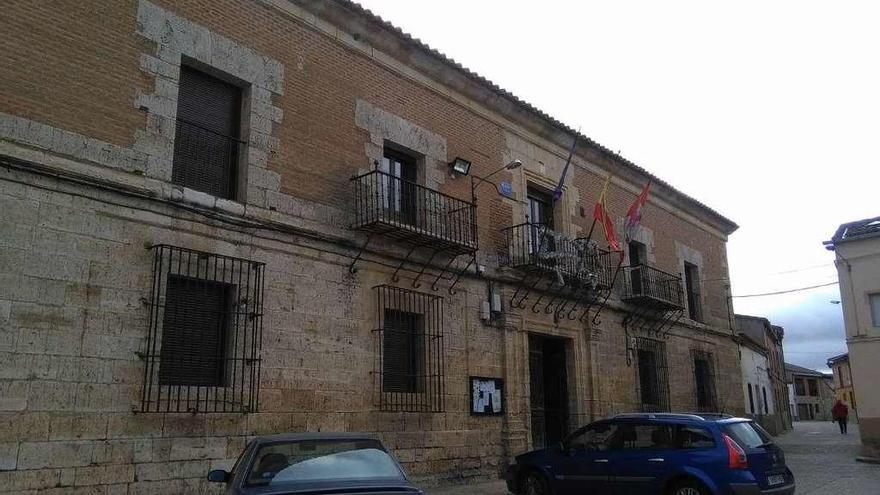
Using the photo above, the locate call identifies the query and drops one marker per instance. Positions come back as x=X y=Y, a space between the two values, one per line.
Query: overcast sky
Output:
x=768 y=112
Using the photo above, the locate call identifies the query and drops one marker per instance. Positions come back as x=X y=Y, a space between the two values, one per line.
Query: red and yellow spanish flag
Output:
x=600 y=214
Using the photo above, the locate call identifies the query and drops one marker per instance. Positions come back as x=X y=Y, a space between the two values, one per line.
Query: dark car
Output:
x=663 y=454
x=305 y=463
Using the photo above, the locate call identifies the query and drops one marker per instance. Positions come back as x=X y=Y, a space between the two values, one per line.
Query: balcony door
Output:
x=399 y=189
x=540 y=213
x=637 y=255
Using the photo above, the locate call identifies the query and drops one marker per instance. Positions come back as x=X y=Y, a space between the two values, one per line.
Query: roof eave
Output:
x=394 y=41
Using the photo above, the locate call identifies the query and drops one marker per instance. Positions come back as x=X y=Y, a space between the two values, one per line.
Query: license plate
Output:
x=776 y=479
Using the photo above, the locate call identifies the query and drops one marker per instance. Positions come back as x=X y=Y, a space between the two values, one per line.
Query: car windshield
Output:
x=748 y=434
x=321 y=460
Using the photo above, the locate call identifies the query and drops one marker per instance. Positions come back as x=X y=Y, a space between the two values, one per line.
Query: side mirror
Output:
x=218 y=476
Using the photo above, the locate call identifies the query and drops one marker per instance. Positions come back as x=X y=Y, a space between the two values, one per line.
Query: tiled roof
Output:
x=860 y=229
x=800 y=370
x=839 y=357
x=354 y=6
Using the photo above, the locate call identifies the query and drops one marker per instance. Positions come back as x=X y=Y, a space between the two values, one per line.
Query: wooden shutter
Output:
x=194 y=332
x=206 y=142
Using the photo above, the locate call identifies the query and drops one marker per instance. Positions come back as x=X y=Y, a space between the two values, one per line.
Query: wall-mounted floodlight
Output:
x=460 y=166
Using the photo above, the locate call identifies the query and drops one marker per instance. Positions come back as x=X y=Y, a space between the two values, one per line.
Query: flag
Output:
x=634 y=214
x=557 y=193
x=600 y=214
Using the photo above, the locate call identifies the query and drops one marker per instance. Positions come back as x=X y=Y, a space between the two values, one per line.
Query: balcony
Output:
x=652 y=288
x=401 y=209
x=535 y=248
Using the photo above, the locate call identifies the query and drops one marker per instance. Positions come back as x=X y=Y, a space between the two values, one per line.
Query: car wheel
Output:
x=689 y=487
x=533 y=484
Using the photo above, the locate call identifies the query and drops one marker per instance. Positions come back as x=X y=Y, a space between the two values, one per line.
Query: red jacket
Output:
x=839 y=411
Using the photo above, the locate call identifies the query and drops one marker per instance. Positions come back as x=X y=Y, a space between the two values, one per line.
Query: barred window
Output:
x=652 y=375
x=206 y=142
x=409 y=361
x=203 y=345
x=704 y=381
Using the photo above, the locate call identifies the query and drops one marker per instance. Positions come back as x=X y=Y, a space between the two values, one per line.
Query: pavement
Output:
x=823 y=462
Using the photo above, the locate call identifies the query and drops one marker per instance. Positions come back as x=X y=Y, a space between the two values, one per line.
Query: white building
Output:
x=757 y=386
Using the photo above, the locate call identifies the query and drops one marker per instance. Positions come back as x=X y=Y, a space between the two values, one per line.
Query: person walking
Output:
x=840 y=413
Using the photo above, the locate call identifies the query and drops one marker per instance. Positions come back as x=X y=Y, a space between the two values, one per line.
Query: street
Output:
x=823 y=460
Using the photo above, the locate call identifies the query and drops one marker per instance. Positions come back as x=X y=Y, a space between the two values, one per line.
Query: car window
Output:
x=748 y=434
x=643 y=436
x=594 y=438
x=693 y=437
x=313 y=460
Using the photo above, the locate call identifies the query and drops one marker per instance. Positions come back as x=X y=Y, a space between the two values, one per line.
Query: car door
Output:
x=641 y=457
x=582 y=464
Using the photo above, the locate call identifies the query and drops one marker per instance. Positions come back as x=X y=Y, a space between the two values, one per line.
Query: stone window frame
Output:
x=181 y=41
x=687 y=254
x=389 y=130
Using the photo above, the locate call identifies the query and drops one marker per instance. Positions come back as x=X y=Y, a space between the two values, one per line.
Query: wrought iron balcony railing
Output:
x=534 y=247
x=650 y=287
x=402 y=209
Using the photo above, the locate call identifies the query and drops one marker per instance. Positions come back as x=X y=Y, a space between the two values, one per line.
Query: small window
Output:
x=764 y=393
x=799 y=387
x=751 y=400
x=692 y=437
x=410 y=347
x=403 y=348
x=814 y=388
x=207 y=142
x=643 y=436
x=692 y=286
x=704 y=379
x=875 y=309
x=202 y=351
x=194 y=332
x=652 y=379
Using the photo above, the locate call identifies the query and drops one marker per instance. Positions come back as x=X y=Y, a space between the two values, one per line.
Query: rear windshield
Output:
x=748 y=434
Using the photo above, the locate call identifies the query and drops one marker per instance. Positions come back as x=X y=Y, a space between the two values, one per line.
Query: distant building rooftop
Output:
x=838 y=358
x=854 y=231
x=800 y=370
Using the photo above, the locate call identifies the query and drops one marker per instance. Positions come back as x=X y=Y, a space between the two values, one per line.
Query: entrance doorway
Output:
x=548 y=386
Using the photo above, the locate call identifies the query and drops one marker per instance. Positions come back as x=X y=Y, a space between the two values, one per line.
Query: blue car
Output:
x=657 y=454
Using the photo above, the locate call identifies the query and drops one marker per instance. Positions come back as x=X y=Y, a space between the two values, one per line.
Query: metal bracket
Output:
x=351 y=268
x=415 y=282
x=460 y=273
x=394 y=276
x=444 y=270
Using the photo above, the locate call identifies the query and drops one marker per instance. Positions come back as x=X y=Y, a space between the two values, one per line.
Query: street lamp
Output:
x=476 y=181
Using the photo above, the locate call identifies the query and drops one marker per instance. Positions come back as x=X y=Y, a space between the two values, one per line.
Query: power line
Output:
x=788 y=291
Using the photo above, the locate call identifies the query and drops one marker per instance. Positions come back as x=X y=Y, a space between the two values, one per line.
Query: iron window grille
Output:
x=409 y=350
x=206 y=327
x=652 y=375
x=206 y=142
x=399 y=208
x=704 y=380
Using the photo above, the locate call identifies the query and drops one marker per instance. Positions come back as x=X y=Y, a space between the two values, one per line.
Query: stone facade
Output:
x=87 y=129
